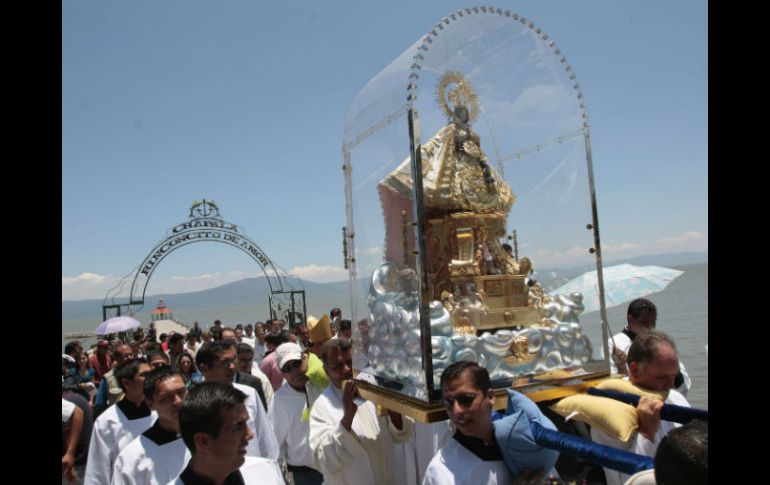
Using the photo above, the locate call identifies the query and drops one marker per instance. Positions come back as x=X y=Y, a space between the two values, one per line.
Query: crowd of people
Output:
x=268 y=404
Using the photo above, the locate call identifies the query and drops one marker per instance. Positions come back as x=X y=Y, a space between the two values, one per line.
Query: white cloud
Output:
x=688 y=241
x=83 y=278
x=548 y=258
x=86 y=286
x=212 y=277
x=687 y=236
x=369 y=251
x=187 y=284
x=320 y=274
x=575 y=256
x=617 y=250
x=94 y=286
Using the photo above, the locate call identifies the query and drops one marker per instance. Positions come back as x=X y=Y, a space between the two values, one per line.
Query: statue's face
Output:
x=461 y=113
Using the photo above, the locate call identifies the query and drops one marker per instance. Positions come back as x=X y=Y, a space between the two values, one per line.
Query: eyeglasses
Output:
x=291 y=365
x=464 y=400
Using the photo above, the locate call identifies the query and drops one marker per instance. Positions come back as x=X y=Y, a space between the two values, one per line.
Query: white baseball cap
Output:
x=287 y=352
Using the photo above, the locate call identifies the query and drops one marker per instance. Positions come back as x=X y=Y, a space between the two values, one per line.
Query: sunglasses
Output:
x=464 y=400
x=291 y=365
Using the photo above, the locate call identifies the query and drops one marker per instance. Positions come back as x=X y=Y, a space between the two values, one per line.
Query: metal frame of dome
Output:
x=411 y=62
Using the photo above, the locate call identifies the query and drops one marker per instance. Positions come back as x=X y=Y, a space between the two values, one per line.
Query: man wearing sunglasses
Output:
x=350 y=443
x=472 y=457
x=289 y=414
x=110 y=390
x=248 y=376
x=159 y=454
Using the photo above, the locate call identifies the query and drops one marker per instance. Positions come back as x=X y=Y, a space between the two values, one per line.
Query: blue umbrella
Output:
x=622 y=283
x=117 y=324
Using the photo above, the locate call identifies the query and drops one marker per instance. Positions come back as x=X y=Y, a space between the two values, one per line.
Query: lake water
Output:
x=682 y=313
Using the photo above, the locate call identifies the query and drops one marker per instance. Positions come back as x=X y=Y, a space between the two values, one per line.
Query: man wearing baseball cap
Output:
x=289 y=415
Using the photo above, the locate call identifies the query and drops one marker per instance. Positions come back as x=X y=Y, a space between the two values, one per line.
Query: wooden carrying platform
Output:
x=435 y=411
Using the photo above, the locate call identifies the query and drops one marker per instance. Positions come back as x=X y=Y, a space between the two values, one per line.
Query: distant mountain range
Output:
x=252 y=291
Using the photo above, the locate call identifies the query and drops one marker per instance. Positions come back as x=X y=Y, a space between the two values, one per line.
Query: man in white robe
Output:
x=119 y=424
x=472 y=456
x=216 y=360
x=653 y=364
x=641 y=316
x=158 y=454
x=289 y=415
x=267 y=389
x=245 y=374
x=350 y=443
x=413 y=457
x=248 y=336
x=260 y=347
x=213 y=422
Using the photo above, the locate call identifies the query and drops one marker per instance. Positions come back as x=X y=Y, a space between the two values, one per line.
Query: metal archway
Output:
x=204 y=223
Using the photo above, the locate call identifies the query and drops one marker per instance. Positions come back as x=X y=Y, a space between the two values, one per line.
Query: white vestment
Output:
x=264 y=443
x=111 y=433
x=259 y=351
x=456 y=465
x=254 y=470
x=144 y=462
x=67 y=409
x=623 y=342
x=412 y=458
x=267 y=388
x=646 y=477
x=250 y=341
x=637 y=443
x=362 y=456
x=289 y=418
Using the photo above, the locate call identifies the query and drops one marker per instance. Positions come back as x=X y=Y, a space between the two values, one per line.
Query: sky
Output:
x=243 y=103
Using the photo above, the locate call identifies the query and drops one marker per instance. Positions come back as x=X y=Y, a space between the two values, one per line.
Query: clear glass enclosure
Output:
x=474 y=132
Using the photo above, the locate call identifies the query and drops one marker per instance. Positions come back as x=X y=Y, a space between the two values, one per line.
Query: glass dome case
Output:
x=467 y=167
